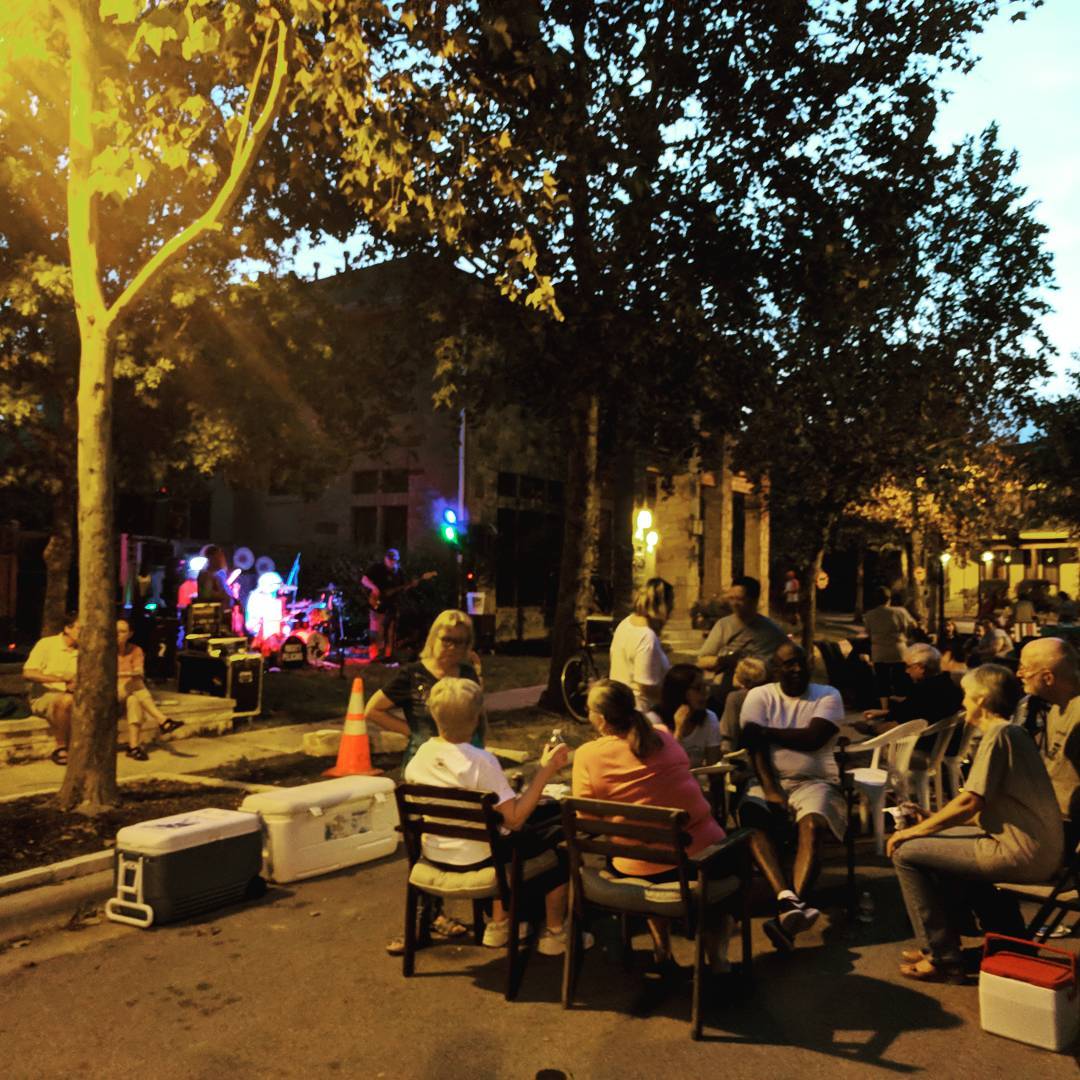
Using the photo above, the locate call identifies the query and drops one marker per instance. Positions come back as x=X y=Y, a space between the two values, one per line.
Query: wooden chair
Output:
x=713 y=881
x=465 y=815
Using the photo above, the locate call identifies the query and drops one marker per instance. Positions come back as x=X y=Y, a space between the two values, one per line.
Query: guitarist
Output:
x=384 y=581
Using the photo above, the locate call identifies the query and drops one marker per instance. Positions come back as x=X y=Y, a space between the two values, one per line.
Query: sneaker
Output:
x=1059 y=931
x=137 y=753
x=775 y=933
x=795 y=917
x=553 y=942
x=497 y=934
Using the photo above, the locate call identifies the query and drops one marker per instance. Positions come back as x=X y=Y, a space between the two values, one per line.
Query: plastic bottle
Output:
x=866 y=908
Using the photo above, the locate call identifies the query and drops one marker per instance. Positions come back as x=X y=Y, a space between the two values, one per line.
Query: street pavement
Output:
x=298 y=985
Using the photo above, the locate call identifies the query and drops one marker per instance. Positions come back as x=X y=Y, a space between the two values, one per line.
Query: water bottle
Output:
x=555 y=737
x=866 y=908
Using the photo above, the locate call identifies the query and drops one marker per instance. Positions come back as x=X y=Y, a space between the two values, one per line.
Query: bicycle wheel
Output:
x=578 y=674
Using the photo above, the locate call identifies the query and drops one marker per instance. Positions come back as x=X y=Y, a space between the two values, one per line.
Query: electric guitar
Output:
x=377 y=598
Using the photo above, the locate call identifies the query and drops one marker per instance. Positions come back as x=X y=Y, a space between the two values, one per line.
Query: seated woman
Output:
x=634 y=762
x=132 y=692
x=1004 y=825
x=449 y=759
x=682 y=711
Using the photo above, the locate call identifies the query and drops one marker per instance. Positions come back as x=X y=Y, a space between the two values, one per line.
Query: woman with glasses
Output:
x=402 y=706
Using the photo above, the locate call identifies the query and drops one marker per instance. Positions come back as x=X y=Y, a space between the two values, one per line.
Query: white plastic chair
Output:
x=876 y=782
x=953 y=763
x=921 y=773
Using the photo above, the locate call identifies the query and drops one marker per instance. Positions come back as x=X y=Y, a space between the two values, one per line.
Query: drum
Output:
x=317 y=644
x=317 y=616
x=294 y=652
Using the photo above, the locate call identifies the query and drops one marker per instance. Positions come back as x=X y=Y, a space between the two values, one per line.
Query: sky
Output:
x=1028 y=80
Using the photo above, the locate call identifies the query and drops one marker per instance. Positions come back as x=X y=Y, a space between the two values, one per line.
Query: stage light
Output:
x=198 y=564
x=449 y=534
x=449 y=516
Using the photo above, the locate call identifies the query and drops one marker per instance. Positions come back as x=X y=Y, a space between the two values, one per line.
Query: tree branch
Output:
x=244 y=154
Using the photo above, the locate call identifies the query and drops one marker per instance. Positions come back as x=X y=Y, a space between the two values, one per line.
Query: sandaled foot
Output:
x=446 y=926
x=912 y=956
x=169 y=725
x=137 y=753
x=59 y=756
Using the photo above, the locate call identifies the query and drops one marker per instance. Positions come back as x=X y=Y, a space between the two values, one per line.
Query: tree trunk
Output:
x=90 y=780
x=580 y=528
x=58 y=562
x=622 y=529
x=860 y=584
x=809 y=604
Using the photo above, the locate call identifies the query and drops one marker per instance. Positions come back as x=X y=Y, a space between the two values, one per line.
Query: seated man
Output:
x=1049 y=670
x=52 y=665
x=790 y=727
x=934 y=694
x=450 y=760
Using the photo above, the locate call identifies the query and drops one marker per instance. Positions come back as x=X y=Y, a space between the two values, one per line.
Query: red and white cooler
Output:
x=1029 y=995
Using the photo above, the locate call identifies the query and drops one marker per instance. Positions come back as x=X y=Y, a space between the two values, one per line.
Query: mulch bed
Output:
x=33 y=832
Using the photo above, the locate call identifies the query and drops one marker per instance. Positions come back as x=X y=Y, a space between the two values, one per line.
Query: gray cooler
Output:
x=187 y=864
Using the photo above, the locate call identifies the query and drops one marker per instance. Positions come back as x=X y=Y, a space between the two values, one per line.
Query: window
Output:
x=364 y=524
x=395 y=527
x=395 y=481
x=365 y=482
x=508 y=484
x=532 y=488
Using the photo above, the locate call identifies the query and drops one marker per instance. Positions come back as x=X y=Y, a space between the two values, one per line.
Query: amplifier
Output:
x=238 y=676
x=226 y=646
x=199 y=643
x=161 y=649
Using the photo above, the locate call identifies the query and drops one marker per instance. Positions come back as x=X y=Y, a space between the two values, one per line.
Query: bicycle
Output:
x=578 y=674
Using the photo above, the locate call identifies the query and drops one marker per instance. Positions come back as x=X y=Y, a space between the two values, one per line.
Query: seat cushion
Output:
x=646 y=897
x=473 y=884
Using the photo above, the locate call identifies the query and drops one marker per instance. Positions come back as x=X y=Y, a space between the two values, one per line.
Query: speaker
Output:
x=161 y=648
x=200 y=673
x=244 y=681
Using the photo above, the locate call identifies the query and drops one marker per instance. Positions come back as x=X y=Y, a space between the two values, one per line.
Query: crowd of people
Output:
x=751 y=688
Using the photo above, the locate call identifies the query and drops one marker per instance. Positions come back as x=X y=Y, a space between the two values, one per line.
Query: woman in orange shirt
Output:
x=132 y=692
x=634 y=762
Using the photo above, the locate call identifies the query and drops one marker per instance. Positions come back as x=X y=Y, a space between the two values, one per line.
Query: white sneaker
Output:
x=794 y=916
x=553 y=942
x=497 y=934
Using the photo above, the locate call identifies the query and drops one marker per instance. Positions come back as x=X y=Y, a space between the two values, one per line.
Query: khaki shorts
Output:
x=42 y=706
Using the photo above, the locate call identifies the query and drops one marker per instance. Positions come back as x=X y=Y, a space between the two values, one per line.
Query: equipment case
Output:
x=174 y=867
x=322 y=827
x=238 y=676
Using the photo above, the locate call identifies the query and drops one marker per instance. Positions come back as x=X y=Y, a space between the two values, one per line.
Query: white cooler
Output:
x=1028 y=998
x=318 y=828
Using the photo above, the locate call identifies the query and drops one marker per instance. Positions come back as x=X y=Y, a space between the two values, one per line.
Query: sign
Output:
x=920 y=574
x=822 y=580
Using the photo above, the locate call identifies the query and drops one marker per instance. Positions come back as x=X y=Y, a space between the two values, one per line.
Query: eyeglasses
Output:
x=457 y=642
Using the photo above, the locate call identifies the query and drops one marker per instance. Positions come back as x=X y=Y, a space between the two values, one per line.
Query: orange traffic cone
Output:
x=354 y=753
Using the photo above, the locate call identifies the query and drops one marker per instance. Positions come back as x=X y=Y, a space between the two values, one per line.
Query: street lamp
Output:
x=943 y=561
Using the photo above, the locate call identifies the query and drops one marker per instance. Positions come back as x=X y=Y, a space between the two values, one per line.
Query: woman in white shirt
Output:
x=637 y=657
x=682 y=711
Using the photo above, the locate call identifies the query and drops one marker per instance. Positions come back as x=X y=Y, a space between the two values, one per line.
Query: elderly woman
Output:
x=634 y=762
x=637 y=658
x=1004 y=825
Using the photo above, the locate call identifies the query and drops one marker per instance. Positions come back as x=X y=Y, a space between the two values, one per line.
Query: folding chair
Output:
x=1055 y=898
x=715 y=880
x=466 y=815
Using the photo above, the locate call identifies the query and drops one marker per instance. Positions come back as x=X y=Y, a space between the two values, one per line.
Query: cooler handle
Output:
x=993 y=939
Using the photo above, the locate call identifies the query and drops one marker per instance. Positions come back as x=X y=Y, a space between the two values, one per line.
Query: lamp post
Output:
x=943 y=562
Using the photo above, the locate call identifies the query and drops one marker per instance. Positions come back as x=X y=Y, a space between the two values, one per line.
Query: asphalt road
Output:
x=298 y=985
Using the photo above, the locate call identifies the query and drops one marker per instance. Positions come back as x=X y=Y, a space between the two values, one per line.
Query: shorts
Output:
x=805 y=797
x=41 y=706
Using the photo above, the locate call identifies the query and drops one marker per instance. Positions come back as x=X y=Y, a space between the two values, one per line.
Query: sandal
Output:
x=447 y=926
x=59 y=756
x=927 y=971
x=137 y=753
x=169 y=725
x=913 y=956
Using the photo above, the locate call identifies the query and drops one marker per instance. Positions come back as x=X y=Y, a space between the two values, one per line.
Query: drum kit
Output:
x=307 y=627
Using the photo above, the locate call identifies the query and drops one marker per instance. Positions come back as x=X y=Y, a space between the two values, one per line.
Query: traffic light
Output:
x=450 y=531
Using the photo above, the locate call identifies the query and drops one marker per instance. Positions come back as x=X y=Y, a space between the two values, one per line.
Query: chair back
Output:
x=887 y=741
x=425 y=809
x=943 y=732
x=625 y=830
x=966 y=739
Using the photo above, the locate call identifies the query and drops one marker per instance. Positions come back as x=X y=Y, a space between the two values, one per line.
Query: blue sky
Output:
x=1028 y=80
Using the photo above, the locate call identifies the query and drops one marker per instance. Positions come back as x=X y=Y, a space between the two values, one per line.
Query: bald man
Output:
x=1049 y=669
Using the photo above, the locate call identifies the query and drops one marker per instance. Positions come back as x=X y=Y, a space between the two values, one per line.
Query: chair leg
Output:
x=877 y=805
x=699 y=965
x=627 y=941
x=569 y=976
x=408 y=960
x=478 y=922
x=512 y=947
